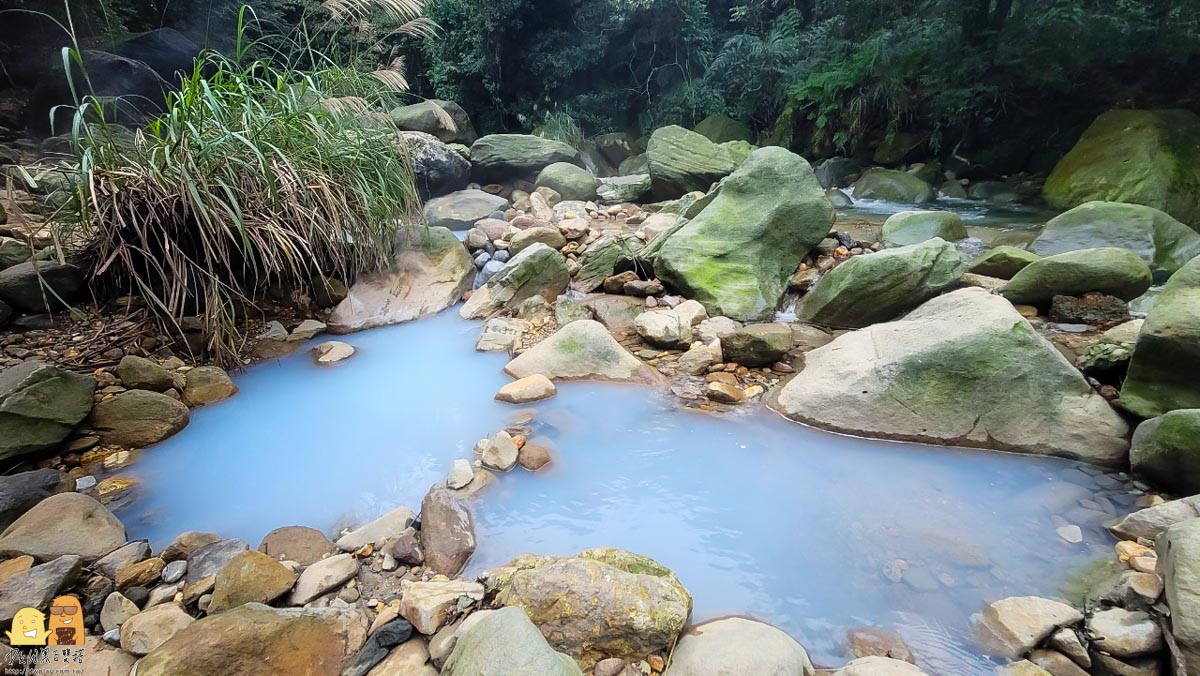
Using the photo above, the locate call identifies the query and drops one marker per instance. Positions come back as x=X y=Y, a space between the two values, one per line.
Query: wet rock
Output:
x=430 y=272
x=757 y=344
x=1056 y=663
x=208 y=385
x=250 y=577
x=22 y=491
x=1095 y=309
x=1166 y=450
x=139 y=373
x=538 y=270
x=1067 y=642
x=33 y=287
x=893 y=186
x=301 y=544
x=501 y=157
x=460 y=474
x=376 y=648
x=724 y=393
x=67 y=523
x=1021 y=668
x=37 y=586
x=447 y=532
x=506 y=643
x=877 y=642
x=254 y=639
x=1002 y=262
x=914 y=227
x=878 y=666
x=531 y=388
x=1111 y=271
x=1013 y=626
x=869 y=289
x=138 y=418
x=499 y=333
x=39 y=406
x=430 y=605
x=1130 y=666
x=533 y=456
x=736 y=255
x=943 y=375
x=206 y=560
x=581 y=350
x=378 y=531
x=1179 y=565
x=600 y=603
x=1124 y=633
x=738 y=646
x=1166 y=364
x=499 y=452
x=147 y=630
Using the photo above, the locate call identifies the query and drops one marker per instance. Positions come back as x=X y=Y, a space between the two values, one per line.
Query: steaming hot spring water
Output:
x=814 y=532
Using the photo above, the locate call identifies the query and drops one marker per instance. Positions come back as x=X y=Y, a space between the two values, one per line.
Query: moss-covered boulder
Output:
x=893 y=186
x=1162 y=242
x=1112 y=271
x=1165 y=368
x=505 y=643
x=601 y=603
x=964 y=369
x=618 y=189
x=912 y=227
x=137 y=418
x=502 y=157
x=444 y=119
x=537 y=270
x=1002 y=262
x=880 y=286
x=462 y=209
x=1149 y=157
x=581 y=350
x=682 y=161
x=600 y=260
x=722 y=128
x=736 y=255
x=39 y=406
x=569 y=180
x=1166 y=450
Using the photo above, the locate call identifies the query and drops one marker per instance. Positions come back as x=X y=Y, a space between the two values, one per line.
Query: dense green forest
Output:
x=995 y=78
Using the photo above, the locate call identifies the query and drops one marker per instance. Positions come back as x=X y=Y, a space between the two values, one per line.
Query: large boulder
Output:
x=21 y=491
x=722 y=128
x=506 y=643
x=437 y=169
x=734 y=646
x=503 y=157
x=1003 y=262
x=880 y=286
x=875 y=665
x=249 y=577
x=66 y=523
x=128 y=88
x=146 y=631
x=964 y=369
x=1179 y=566
x=1160 y=241
x=432 y=270
x=1165 y=367
x=736 y=255
x=599 y=261
x=168 y=52
x=447 y=532
x=1149 y=157
x=39 y=406
x=600 y=603
x=682 y=161
x=581 y=350
x=37 y=286
x=1013 y=626
x=445 y=120
x=1111 y=271
x=36 y=586
x=620 y=189
x=914 y=227
x=1166 y=450
x=1151 y=522
x=255 y=639
x=893 y=186
x=537 y=270
x=570 y=181
x=461 y=210
x=137 y=418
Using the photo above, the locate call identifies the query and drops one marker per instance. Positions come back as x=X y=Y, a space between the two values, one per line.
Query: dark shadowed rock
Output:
x=447 y=532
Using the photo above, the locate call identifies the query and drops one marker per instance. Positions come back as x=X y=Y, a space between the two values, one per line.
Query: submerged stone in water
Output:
x=738 y=646
x=582 y=350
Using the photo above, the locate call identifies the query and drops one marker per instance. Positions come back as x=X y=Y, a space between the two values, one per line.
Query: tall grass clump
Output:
x=248 y=179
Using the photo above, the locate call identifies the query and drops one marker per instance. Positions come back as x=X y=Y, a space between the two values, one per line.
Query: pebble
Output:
x=1071 y=533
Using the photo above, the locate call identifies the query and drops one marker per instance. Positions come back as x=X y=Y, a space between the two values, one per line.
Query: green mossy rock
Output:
x=682 y=161
x=736 y=255
x=893 y=186
x=1149 y=157
x=601 y=603
x=1162 y=242
x=13 y=251
x=537 y=270
x=570 y=181
x=964 y=369
x=913 y=227
x=1112 y=271
x=501 y=157
x=425 y=117
x=1165 y=370
x=758 y=344
x=1002 y=262
x=505 y=643
x=1166 y=450
x=722 y=128
x=39 y=406
x=898 y=146
x=600 y=260
x=138 y=418
x=880 y=286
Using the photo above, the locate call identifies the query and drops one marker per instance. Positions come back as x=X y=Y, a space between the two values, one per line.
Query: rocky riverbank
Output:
x=715 y=270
